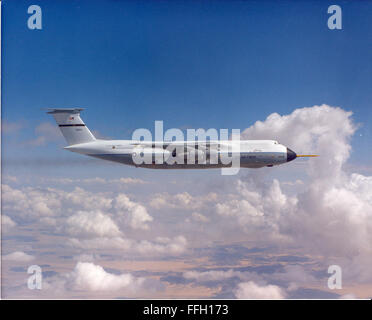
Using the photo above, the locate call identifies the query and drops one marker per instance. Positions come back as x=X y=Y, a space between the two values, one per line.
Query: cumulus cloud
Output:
x=160 y=246
x=90 y=277
x=18 y=256
x=251 y=290
x=182 y=200
x=296 y=277
x=257 y=208
x=10 y=127
x=332 y=216
x=92 y=223
x=134 y=213
x=101 y=243
x=130 y=180
x=93 y=219
x=30 y=202
x=241 y=209
x=323 y=130
x=328 y=217
x=34 y=202
x=88 y=200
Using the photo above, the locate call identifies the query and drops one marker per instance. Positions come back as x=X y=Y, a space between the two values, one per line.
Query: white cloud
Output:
x=160 y=246
x=91 y=277
x=323 y=130
x=18 y=256
x=257 y=208
x=130 y=180
x=91 y=224
x=329 y=217
x=91 y=218
x=101 y=243
x=241 y=209
x=198 y=217
x=296 y=276
x=92 y=180
x=10 y=179
x=251 y=290
x=135 y=214
x=30 y=202
x=88 y=277
x=88 y=200
x=333 y=215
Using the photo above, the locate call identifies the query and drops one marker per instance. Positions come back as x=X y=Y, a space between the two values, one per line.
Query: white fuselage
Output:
x=251 y=153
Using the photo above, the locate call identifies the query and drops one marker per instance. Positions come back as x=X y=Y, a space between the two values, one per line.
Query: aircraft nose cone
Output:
x=291 y=155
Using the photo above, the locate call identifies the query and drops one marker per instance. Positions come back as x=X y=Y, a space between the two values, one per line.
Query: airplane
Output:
x=203 y=154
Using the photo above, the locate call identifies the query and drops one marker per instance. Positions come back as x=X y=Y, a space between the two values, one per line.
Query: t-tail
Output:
x=72 y=127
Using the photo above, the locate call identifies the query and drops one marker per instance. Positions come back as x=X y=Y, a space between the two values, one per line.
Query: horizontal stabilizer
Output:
x=64 y=110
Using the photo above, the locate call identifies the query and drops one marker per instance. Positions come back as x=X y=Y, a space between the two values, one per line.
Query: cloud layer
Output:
x=323 y=212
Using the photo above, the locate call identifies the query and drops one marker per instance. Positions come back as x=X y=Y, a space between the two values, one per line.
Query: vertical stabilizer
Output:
x=72 y=127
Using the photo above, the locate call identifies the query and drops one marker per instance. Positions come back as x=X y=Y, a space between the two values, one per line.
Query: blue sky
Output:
x=191 y=64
